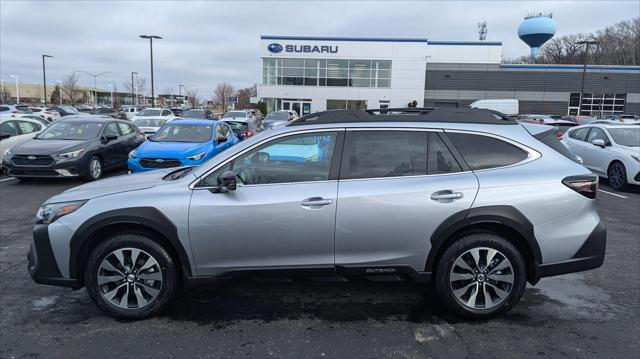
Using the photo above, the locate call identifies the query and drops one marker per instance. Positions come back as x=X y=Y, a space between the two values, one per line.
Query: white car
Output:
x=610 y=151
x=15 y=130
x=129 y=111
x=149 y=125
x=48 y=115
x=155 y=112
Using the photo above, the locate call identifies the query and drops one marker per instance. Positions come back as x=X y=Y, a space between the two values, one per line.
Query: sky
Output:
x=207 y=42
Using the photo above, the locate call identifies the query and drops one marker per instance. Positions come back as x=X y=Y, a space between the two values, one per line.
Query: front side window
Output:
x=579 y=134
x=483 y=152
x=296 y=158
x=374 y=154
x=597 y=134
x=111 y=130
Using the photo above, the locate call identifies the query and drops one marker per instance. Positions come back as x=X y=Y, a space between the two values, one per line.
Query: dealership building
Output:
x=310 y=74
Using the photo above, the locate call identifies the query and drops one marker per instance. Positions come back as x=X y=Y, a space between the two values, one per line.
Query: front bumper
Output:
x=589 y=256
x=42 y=264
x=59 y=168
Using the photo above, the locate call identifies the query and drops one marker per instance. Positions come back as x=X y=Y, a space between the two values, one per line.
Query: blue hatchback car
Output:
x=182 y=143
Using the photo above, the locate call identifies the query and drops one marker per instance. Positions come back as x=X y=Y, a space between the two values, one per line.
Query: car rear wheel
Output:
x=130 y=276
x=94 y=170
x=617 y=176
x=480 y=276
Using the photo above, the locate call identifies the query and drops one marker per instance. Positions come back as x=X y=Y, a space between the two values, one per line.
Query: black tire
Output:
x=457 y=249
x=617 y=175
x=168 y=286
x=90 y=176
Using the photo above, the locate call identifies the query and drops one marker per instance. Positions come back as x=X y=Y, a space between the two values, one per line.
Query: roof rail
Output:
x=412 y=114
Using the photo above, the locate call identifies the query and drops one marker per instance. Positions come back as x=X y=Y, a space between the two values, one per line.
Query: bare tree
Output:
x=244 y=96
x=55 y=95
x=69 y=86
x=192 y=97
x=222 y=93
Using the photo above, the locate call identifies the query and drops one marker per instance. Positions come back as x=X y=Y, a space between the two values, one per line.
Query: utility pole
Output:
x=95 y=85
x=133 y=90
x=180 y=94
x=584 y=68
x=151 y=37
x=2 y=93
x=17 y=89
x=44 y=79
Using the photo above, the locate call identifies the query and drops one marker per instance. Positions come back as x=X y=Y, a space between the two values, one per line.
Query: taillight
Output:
x=586 y=185
x=559 y=135
x=248 y=134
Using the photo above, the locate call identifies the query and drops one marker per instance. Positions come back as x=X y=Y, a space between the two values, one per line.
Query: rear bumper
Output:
x=42 y=264
x=589 y=256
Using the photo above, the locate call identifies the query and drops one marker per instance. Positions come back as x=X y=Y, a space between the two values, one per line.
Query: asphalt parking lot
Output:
x=591 y=314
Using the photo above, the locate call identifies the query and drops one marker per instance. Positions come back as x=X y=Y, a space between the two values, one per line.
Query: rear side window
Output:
x=482 y=152
x=579 y=134
x=440 y=158
x=374 y=154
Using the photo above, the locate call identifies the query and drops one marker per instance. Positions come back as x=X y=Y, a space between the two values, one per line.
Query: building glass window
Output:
x=346 y=104
x=325 y=72
x=595 y=104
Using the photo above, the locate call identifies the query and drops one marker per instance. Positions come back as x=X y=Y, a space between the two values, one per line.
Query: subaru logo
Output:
x=159 y=160
x=275 y=48
x=32 y=157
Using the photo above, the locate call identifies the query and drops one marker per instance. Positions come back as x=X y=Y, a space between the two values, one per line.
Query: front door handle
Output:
x=445 y=195
x=315 y=201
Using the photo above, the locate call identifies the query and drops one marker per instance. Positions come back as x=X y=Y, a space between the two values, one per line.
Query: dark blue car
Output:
x=182 y=143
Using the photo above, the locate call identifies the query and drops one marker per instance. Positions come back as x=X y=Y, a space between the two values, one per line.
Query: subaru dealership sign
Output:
x=321 y=49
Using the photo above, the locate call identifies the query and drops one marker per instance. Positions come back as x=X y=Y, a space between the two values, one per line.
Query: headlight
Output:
x=133 y=154
x=196 y=157
x=73 y=154
x=7 y=153
x=50 y=212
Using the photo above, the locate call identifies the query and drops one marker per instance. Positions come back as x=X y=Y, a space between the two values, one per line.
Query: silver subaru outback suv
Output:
x=465 y=199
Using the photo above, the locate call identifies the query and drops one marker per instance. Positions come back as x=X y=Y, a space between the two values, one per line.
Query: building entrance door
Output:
x=301 y=107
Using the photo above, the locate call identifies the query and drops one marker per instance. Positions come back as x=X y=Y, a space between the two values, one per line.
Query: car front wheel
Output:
x=130 y=276
x=480 y=276
x=617 y=176
x=94 y=170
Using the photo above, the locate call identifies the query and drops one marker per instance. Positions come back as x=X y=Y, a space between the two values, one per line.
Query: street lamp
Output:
x=151 y=37
x=584 y=69
x=59 y=91
x=44 y=79
x=95 y=86
x=133 y=90
x=17 y=89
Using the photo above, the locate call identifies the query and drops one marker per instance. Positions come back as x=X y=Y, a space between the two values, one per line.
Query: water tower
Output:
x=535 y=30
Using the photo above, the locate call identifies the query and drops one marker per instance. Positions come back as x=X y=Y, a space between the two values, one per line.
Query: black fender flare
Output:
x=507 y=216
x=148 y=217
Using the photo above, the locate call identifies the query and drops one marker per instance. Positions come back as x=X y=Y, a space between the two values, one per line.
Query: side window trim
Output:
x=337 y=150
x=532 y=154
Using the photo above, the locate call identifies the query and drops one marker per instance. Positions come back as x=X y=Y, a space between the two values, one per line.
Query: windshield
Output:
x=277 y=117
x=70 y=110
x=71 y=131
x=183 y=133
x=150 y=122
x=235 y=114
x=194 y=114
x=149 y=112
x=238 y=126
x=629 y=137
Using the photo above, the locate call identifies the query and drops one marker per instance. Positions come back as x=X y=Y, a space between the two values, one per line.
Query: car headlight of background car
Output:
x=7 y=154
x=73 y=154
x=196 y=157
x=50 y=212
x=133 y=154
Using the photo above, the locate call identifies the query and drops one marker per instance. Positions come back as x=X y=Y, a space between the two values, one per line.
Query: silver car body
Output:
x=598 y=159
x=368 y=223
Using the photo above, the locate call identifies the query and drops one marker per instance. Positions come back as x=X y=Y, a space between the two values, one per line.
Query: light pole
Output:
x=17 y=89
x=3 y=94
x=584 y=69
x=59 y=91
x=133 y=90
x=180 y=94
x=111 y=88
x=151 y=37
x=44 y=79
x=95 y=86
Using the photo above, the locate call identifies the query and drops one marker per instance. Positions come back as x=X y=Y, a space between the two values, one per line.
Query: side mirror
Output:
x=109 y=138
x=4 y=136
x=226 y=182
x=598 y=142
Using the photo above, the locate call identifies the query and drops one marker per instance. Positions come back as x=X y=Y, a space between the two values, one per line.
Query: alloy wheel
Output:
x=481 y=278
x=129 y=278
x=616 y=176
x=95 y=168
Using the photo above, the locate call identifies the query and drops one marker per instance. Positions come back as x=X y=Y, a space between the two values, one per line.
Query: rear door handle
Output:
x=445 y=195
x=315 y=201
